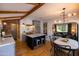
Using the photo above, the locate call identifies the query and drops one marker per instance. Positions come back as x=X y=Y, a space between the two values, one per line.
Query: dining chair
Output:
x=62 y=50
x=52 y=38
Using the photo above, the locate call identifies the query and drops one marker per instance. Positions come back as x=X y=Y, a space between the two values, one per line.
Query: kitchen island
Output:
x=7 y=46
x=34 y=40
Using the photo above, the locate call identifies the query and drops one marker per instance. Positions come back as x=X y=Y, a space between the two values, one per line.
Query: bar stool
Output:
x=37 y=42
x=42 y=40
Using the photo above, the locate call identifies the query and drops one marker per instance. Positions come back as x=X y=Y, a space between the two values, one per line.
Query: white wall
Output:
x=52 y=9
x=49 y=26
x=22 y=27
x=49 y=13
x=51 y=23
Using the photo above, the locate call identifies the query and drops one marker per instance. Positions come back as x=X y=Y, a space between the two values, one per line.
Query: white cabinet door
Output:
x=7 y=50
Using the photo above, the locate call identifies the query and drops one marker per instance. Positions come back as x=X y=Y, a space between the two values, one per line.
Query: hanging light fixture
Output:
x=63 y=14
x=69 y=14
x=74 y=14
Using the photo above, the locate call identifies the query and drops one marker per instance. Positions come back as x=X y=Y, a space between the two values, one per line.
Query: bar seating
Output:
x=38 y=42
x=42 y=40
x=34 y=40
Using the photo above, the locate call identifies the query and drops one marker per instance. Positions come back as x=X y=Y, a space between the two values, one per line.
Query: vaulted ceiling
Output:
x=17 y=11
x=53 y=10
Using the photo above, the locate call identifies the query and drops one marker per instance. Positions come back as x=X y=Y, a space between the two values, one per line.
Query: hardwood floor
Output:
x=44 y=50
x=23 y=50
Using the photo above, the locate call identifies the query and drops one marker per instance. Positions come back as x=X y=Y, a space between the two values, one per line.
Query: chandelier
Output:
x=65 y=15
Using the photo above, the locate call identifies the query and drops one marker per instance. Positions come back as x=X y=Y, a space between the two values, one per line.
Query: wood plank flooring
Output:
x=23 y=50
x=44 y=50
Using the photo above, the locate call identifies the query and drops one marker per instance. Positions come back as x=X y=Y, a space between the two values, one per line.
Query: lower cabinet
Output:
x=35 y=41
x=7 y=50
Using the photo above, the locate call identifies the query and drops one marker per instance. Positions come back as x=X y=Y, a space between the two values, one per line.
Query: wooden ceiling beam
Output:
x=33 y=3
x=10 y=17
x=11 y=12
x=33 y=9
x=20 y=17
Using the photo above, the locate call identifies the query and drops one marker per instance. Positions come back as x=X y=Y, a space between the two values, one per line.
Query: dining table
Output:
x=67 y=42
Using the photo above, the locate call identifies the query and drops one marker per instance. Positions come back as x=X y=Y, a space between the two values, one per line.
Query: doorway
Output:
x=12 y=27
x=36 y=23
x=45 y=28
x=14 y=30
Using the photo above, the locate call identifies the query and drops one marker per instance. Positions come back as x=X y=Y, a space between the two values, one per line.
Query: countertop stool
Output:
x=37 y=42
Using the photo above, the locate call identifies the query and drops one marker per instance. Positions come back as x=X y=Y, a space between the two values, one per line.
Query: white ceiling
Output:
x=48 y=9
x=52 y=9
x=10 y=15
x=14 y=7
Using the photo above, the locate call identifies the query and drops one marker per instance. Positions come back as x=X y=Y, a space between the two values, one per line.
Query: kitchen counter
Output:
x=7 y=46
x=32 y=40
x=35 y=35
x=6 y=41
